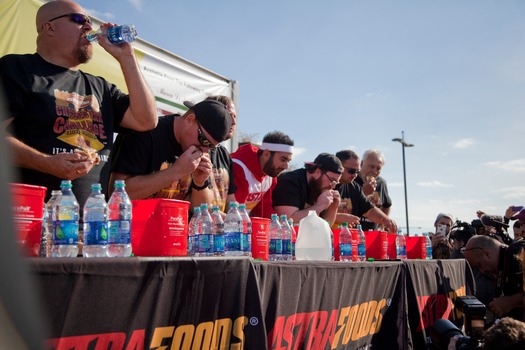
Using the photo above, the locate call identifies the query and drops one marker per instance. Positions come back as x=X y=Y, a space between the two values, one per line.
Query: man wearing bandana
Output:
x=255 y=171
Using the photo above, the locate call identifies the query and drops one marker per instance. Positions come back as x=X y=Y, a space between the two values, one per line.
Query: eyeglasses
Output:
x=352 y=171
x=475 y=248
x=78 y=18
x=202 y=138
x=333 y=181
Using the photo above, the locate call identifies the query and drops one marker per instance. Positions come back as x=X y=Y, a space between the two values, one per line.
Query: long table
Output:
x=239 y=303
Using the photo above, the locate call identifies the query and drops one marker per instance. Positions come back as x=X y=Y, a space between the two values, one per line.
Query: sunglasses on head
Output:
x=78 y=18
x=202 y=138
x=352 y=171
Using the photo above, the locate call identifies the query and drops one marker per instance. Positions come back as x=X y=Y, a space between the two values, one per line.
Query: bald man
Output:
x=500 y=261
x=60 y=120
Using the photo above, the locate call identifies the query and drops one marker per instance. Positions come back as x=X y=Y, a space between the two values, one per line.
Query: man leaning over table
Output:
x=310 y=188
x=166 y=161
x=56 y=110
x=255 y=171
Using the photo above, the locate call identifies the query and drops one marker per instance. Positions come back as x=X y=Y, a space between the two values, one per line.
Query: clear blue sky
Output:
x=354 y=74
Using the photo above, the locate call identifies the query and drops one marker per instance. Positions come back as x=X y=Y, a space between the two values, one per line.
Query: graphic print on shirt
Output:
x=345 y=206
x=79 y=120
x=220 y=181
x=256 y=189
x=177 y=190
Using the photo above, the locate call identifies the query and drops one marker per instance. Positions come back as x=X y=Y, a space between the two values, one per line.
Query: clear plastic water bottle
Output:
x=428 y=246
x=218 y=230
x=232 y=232
x=204 y=233
x=246 y=230
x=65 y=222
x=294 y=236
x=119 y=222
x=43 y=236
x=46 y=239
x=401 y=245
x=95 y=224
x=276 y=239
x=345 y=243
x=361 y=244
x=125 y=33
x=287 y=238
x=192 y=227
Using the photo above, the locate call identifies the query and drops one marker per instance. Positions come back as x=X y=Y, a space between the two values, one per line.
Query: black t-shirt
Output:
x=510 y=269
x=353 y=200
x=379 y=198
x=142 y=153
x=291 y=190
x=56 y=110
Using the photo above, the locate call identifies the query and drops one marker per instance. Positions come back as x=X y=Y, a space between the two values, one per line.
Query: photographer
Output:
x=495 y=259
x=507 y=334
x=450 y=238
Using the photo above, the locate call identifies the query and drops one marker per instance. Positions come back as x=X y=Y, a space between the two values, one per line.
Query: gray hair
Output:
x=374 y=152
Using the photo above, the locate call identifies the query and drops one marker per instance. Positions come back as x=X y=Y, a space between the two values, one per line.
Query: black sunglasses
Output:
x=78 y=18
x=202 y=138
x=352 y=171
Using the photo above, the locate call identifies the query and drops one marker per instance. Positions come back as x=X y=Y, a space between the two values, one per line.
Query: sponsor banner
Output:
x=432 y=287
x=151 y=303
x=237 y=303
x=333 y=305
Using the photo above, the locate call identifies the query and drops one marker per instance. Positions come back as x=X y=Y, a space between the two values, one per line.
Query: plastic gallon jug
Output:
x=314 y=239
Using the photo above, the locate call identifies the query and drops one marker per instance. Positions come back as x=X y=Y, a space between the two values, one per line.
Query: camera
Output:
x=474 y=323
x=462 y=231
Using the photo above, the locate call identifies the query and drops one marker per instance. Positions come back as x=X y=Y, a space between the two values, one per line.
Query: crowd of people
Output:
x=62 y=121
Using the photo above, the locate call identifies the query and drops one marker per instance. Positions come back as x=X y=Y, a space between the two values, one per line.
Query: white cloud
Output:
x=517 y=192
x=515 y=166
x=137 y=4
x=434 y=184
x=297 y=151
x=464 y=143
x=100 y=15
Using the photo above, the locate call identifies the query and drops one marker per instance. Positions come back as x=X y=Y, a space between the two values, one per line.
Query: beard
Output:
x=314 y=189
x=269 y=169
x=83 y=53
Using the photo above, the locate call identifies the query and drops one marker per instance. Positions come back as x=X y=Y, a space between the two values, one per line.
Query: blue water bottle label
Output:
x=119 y=232
x=345 y=250
x=361 y=250
x=204 y=244
x=276 y=246
x=244 y=242
x=232 y=241
x=95 y=233
x=287 y=247
x=65 y=232
x=218 y=243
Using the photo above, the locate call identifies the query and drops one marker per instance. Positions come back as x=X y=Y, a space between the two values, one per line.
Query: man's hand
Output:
x=326 y=198
x=369 y=186
x=69 y=166
x=203 y=170
x=502 y=305
x=189 y=161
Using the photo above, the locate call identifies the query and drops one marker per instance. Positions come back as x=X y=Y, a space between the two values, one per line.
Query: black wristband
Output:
x=199 y=188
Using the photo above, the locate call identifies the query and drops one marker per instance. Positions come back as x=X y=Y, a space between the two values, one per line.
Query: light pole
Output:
x=403 y=145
